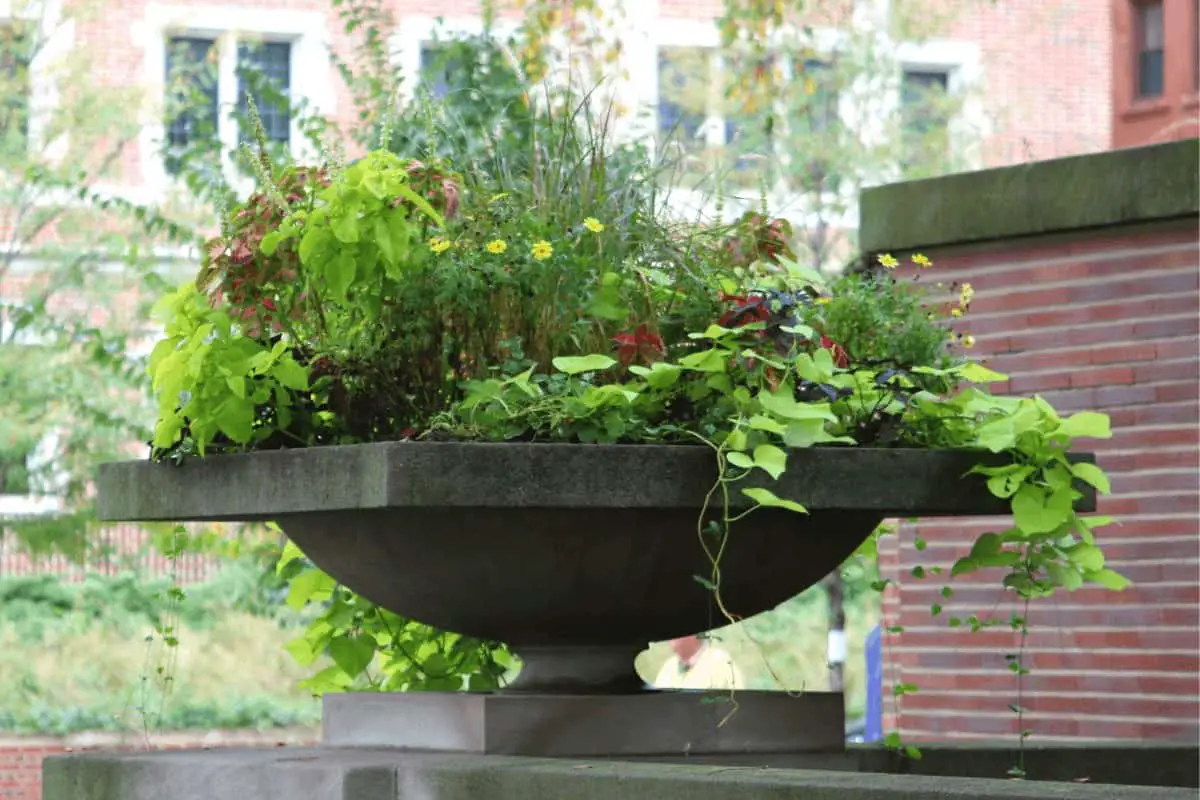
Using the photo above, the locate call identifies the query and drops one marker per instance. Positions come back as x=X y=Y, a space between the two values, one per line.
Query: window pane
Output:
x=922 y=96
x=683 y=93
x=16 y=46
x=1150 y=73
x=265 y=72
x=192 y=85
x=1150 y=25
x=820 y=109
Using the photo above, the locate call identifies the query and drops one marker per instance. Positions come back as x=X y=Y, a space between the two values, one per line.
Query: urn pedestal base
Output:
x=650 y=723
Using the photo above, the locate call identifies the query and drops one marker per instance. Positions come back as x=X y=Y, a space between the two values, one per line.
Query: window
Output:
x=191 y=82
x=685 y=96
x=265 y=72
x=194 y=82
x=820 y=113
x=700 y=112
x=1148 y=33
x=814 y=126
x=442 y=66
x=924 y=118
x=16 y=51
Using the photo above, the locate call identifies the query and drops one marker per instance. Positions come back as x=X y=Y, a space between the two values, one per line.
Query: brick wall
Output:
x=1102 y=321
x=21 y=756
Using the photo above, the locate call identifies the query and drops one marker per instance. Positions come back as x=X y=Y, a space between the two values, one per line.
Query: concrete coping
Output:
x=1118 y=187
x=373 y=774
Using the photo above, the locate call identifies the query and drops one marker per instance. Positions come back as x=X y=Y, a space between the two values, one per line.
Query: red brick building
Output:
x=1087 y=292
x=1155 y=71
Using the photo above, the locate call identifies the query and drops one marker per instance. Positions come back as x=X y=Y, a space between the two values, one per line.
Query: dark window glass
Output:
x=921 y=94
x=191 y=79
x=820 y=86
x=265 y=72
x=1149 y=49
x=683 y=92
x=443 y=65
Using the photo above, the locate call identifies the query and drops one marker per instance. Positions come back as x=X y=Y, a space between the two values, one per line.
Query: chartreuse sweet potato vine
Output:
x=396 y=299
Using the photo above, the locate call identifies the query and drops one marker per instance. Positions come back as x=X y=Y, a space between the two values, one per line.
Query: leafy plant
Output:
x=535 y=290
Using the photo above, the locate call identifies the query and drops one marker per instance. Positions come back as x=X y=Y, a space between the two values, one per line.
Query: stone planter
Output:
x=576 y=556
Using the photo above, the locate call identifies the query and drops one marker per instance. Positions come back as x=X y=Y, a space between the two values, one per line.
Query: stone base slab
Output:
x=376 y=774
x=671 y=723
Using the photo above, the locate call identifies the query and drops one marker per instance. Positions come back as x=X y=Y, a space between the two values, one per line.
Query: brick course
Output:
x=1102 y=321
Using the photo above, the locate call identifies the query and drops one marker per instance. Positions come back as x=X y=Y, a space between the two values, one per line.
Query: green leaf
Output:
x=235 y=418
x=770 y=459
x=808 y=368
x=1086 y=425
x=312 y=584
x=383 y=240
x=740 y=460
x=781 y=403
x=290 y=374
x=421 y=203
x=330 y=679
x=663 y=375
x=978 y=373
x=1093 y=475
x=290 y=553
x=270 y=242
x=352 y=653
x=711 y=332
x=712 y=360
x=963 y=566
x=301 y=651
x=760 y=423
x=340 y=273
x=996 y=436
x=237 y=385
x=1035 y=512
x=1089 y=557
x=1109 y=579
x=573 y=365
x=765 y=497
x=345 y=225
x=988 y=544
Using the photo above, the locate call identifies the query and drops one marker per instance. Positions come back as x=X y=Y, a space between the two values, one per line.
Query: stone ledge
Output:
x=588 y=726
x=363 y=774
x=532 y=477
x=1119 y=187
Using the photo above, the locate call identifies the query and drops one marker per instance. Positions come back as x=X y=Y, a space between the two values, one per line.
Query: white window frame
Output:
x=963 y=64
x=311 y=79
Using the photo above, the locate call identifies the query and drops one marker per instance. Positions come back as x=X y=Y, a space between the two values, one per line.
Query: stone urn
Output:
x=576 y=556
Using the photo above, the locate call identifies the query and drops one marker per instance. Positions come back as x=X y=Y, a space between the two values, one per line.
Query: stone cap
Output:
x=1118 y=187
x=511 y=475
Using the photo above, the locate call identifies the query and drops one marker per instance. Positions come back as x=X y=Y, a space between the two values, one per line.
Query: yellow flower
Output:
x=956 y=312
x=594 y=225
x=921 y=261
x=824 y=300
x=888 y=261
x=966 y=294
x=497 y=246
x=439 y=245
x=542 y=250
x=968 y=341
